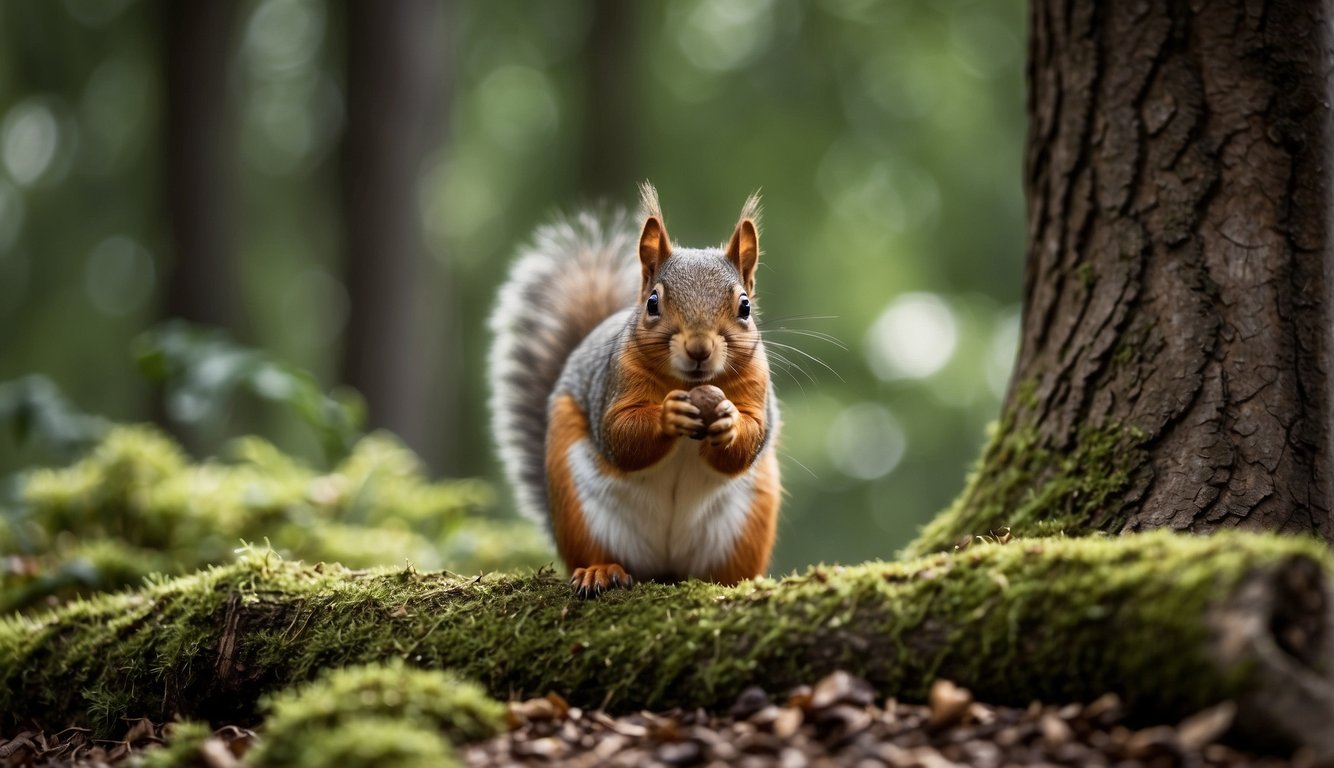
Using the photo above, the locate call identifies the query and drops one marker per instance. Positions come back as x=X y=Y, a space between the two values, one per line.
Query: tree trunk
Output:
x=1172 y=624
x=608 y=168
x=202 y=282
x=1174 y=364
x=397 y=334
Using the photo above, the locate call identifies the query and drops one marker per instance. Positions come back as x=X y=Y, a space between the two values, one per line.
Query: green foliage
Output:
x=34 y=409
x=203 y=370
x=137 y=505
x=374 y=715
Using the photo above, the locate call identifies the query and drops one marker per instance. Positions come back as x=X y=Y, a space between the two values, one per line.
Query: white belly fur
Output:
x=678 y=518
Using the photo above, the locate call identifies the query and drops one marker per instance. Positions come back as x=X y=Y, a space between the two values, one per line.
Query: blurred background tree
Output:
x=343 y=184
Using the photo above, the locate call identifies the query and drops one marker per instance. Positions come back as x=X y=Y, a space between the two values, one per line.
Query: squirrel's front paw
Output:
x=722 y=430
x=679 y=417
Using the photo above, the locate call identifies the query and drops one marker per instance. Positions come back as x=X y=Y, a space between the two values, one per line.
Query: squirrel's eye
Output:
x=743 y=311
x=652 y=305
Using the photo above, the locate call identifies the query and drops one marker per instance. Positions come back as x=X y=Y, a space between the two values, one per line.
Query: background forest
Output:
x=244 y=165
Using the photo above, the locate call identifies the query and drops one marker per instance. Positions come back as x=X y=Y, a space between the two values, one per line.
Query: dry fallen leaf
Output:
x=1207 y=726
x=949 y=703
x=841 y=688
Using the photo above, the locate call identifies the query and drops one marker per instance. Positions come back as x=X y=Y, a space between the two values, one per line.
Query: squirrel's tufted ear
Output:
x=743 y=250
x=654 y=248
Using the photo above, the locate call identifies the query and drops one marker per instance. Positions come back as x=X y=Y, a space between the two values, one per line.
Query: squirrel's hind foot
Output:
x=596 y=579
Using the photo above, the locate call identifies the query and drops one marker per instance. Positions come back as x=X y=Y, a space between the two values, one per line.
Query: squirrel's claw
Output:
x=596 y=579
x=680 y=418
x=722 y=431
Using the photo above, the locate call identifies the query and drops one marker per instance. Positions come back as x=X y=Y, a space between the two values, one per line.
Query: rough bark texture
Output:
x=1176 y=323
x=397 y=334
x=1172 y=624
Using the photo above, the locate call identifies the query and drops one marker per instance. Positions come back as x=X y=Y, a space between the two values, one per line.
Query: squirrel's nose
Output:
x=699 y=349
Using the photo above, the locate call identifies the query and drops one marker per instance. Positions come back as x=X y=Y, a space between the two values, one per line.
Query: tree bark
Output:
x=1174 y=369
x=202 y=282
x=608 y=167
x=397 y=334
x=1172 y=624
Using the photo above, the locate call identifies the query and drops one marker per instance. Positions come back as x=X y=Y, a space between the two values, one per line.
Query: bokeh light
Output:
x=29 y=139
x=913 y=338
x=865 y=441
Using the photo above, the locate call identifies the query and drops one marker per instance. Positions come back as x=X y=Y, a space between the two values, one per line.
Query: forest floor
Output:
x=836 y=722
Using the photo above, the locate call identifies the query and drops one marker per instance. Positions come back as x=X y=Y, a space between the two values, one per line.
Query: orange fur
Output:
x=756 y=543
x=632 y=424
x=748 y=393
x=575 y=545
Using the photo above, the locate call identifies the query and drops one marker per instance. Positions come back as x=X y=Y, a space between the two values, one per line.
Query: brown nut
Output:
x=706 y=398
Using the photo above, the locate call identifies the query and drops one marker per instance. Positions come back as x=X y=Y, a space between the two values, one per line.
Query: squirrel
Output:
x=599 y=338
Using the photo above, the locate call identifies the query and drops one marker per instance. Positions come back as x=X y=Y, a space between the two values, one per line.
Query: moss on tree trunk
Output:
x=1172 y=624
x=1173 y=369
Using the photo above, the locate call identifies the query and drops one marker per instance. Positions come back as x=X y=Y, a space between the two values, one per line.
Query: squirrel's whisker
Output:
x=811 y=334
x=808 y=356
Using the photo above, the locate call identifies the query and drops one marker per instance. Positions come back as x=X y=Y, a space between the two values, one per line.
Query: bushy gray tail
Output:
x=575 y=274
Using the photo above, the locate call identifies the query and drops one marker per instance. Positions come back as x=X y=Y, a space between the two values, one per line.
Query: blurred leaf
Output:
x=34 y=410
x=203 y=370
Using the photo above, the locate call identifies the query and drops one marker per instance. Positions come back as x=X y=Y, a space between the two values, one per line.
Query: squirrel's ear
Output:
x=743 y=250
x=654 y=247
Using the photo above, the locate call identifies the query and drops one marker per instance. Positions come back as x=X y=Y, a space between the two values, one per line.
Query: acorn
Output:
x=706 y=398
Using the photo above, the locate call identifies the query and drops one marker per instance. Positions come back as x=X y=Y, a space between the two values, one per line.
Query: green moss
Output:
x=309 y=725
x=135 y=505
x=1026 y=393
x=1057 y=619
x=374 y=742
x=92 y=634
x=185 y=742
x=1032 y=490
x=459 y=709
x=1086 y=274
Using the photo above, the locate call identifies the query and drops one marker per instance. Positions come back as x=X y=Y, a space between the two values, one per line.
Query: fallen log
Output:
x=1172 y=624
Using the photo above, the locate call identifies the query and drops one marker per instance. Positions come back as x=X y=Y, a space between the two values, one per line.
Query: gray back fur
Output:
x=576 y=273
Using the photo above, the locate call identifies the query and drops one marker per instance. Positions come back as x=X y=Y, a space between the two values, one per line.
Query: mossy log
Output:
x=1172 y=624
